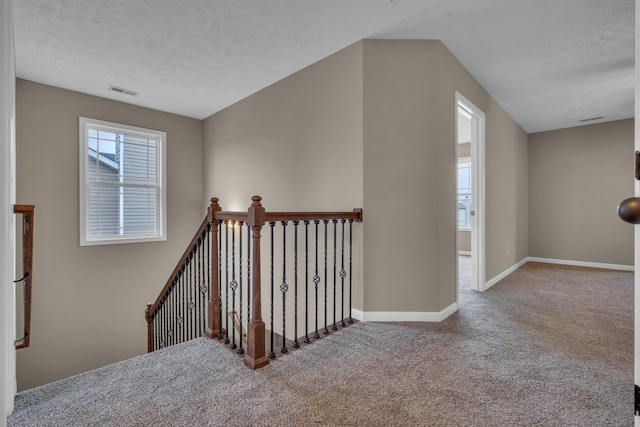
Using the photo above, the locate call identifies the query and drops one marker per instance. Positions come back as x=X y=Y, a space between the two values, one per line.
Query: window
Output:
x=122 y=183
x=464 y=192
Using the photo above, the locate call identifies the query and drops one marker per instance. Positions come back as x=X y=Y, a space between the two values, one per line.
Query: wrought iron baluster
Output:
x=240 y=349
x=284 y=287
x=207 y=274
x=163 y=324
x=350 y=266
x=189 y=308
x=192 y=287
x=226 y=281
x=172 y=312
x=271 y=352
x=326 y=243
x=248 y=272
x=233 y=285
x=316 y=279
x=219 y=284
x=295 y=344
x=306 y=281
x=181 y=308
x=335 y=225
x=156 y=326
x=342 y=275
x=160 y=330
x=200 y=310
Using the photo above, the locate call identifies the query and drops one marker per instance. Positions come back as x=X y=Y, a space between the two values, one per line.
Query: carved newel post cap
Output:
x=214 y=201
x=256 y=201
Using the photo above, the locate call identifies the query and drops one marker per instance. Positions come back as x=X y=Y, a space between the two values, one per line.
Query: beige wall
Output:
x=296 y=143
x=88 y=302
x=577 y=178
x=409 y=152
x=374 y=125
x=506 y=173
x=402 y=181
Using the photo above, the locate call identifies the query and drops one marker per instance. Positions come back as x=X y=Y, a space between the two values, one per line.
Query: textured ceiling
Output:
x=549 y=63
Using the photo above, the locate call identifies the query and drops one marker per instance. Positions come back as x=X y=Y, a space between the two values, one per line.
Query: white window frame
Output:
x=160 y=234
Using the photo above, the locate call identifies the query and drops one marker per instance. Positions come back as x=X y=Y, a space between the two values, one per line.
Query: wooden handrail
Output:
x=153 y=307
x=355 y=215
x=27 y=212
x=174 y=274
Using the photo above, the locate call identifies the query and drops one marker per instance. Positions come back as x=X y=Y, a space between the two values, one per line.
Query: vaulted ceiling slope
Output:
x=549 y=63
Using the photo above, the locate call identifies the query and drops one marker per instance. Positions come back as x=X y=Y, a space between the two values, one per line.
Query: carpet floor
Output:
x=547 y=346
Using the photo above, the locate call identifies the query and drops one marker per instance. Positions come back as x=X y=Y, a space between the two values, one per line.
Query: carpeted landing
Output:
x=547 y=346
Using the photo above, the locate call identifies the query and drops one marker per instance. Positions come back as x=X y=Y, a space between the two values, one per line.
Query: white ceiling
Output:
x=549 y=63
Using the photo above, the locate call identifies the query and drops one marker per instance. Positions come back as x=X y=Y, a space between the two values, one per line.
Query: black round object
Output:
x=629 y=210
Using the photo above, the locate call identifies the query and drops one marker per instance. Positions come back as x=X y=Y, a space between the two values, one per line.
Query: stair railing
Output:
x=27 y=212
x=179 y=312
x=321 y=285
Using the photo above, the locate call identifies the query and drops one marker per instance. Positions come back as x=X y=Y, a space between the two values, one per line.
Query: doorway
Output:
x=469 y=142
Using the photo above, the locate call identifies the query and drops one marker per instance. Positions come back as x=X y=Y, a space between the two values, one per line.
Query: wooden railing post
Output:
x=213 y=323
x=255 y=357
x=147 y=315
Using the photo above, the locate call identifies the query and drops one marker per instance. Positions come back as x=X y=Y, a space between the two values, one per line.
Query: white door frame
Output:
x=636 y=239
x=478 y=190
x=7 y=219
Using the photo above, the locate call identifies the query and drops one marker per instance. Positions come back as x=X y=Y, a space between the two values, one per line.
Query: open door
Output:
x=470 y=129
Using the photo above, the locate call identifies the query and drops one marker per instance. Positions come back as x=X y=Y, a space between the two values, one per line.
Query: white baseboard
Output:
x=404 y=316
x=583 y=263
x=504 y=274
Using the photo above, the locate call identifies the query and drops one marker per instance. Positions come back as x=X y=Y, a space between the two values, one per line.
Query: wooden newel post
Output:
x=255 y=357
x=147 y=315
x=213 y=322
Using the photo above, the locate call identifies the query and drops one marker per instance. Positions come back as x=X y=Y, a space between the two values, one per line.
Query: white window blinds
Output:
x=122 y=183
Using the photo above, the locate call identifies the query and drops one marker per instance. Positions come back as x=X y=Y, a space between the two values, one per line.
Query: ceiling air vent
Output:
x=590 y=119
x=123 y=90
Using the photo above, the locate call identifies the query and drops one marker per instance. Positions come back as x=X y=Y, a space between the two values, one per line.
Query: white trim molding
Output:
x=621 y=267
x=7 y=218
x=404 y=316
x=504 y=274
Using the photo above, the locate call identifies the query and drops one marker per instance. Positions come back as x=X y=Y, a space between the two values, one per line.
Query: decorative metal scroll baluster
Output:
x=271 y=352
x=248 y=272
x=240 y=349
x=326 y=242
x=220 y=222
x=335 y=222
x=343 y=274
x=306 y=281
x=295 y=344
x=181 y=304
x=284 y=287
x=226 y=281
x=207 y=291
x=172 y=313
x=316 y=279
x=199 y=283
x=187 y=298
x=233 y=285
x=192 y=286
x=350 y=266
x=164 y=324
